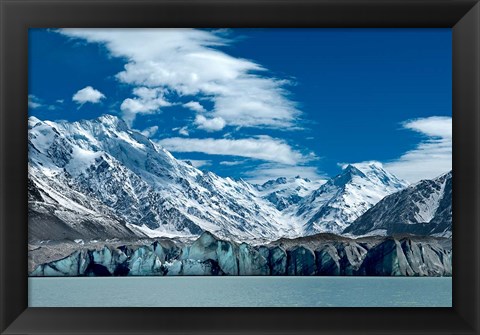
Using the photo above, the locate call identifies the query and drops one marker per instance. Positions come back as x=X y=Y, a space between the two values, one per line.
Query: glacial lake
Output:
x=240 y=292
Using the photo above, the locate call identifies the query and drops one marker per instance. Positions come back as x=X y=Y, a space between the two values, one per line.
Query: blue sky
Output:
x=259 y=103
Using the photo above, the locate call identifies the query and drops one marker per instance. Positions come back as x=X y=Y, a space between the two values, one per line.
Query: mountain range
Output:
x=98 y=179
x=421 y=209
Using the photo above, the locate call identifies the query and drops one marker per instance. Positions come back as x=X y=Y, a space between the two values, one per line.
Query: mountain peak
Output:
x=444 y=176
x=109 y=120
x=33 y=121
x=352 y=169
x=375 y=171
x=346 y=176
x=345 y=197
x=369 y=165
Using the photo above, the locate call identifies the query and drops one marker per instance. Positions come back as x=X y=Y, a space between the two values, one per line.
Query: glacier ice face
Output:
x=199 y=268
x=301 y=262
x=174 y=268
x=227 y=257
x=251 y=262
x=277 y=259
x=205 y=247
x=144 y=262
x=322 y=254
x=75 y=264
x=328 y=261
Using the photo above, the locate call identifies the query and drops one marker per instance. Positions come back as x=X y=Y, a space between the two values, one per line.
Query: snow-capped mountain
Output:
x=107 y=168
x=424 y=208
x=341 y=200
x=98 y=179
x=284 y=192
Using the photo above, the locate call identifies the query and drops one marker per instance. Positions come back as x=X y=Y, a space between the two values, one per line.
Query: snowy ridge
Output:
x=144 y=185
x=344 y=198
x=424 y=208
x=99 y=179
x=284 y=192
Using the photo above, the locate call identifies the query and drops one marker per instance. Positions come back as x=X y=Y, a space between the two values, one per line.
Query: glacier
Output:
x=104 y=200
x=320 y=254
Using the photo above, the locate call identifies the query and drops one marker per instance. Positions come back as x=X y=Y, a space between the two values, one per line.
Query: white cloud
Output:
x=432 y=156
x=232 y=163
x=263 y=148
x=182 y=130
x=33 y=101
x=187 y=62
x=147 y=101
x=198 y=162
x=213 y=124
x=195 y=106
x=434 y=126
x=88 y=94
x=269 y=171
x=150 y=131
x=362 y=165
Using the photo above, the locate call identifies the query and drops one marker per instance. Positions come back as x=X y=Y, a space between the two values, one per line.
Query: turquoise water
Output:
x=240 y=292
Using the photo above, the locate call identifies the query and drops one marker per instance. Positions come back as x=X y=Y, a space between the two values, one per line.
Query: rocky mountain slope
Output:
x=101 y=169
x=344 y=198
x=285 y=192
x=98 y=180
x=422 y=209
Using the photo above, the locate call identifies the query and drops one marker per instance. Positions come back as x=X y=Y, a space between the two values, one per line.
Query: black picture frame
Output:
x=18 y=15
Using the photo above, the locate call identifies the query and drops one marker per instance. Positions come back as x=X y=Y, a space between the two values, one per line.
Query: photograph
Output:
x=240 y=167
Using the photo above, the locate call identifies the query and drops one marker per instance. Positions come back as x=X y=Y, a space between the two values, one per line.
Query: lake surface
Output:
x=240 y=292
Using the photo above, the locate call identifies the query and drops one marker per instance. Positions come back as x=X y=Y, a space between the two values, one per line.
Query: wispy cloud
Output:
x=432 y=156
x=88 y=94
x=146 y=101
x=198 y=163
x=33 y=102
x=182 y=130
x=213 y=124
x=232 y=163
x=150 y=131
x=189 y=63
x=195 y=106
x=269 y=171
x=262 y=148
